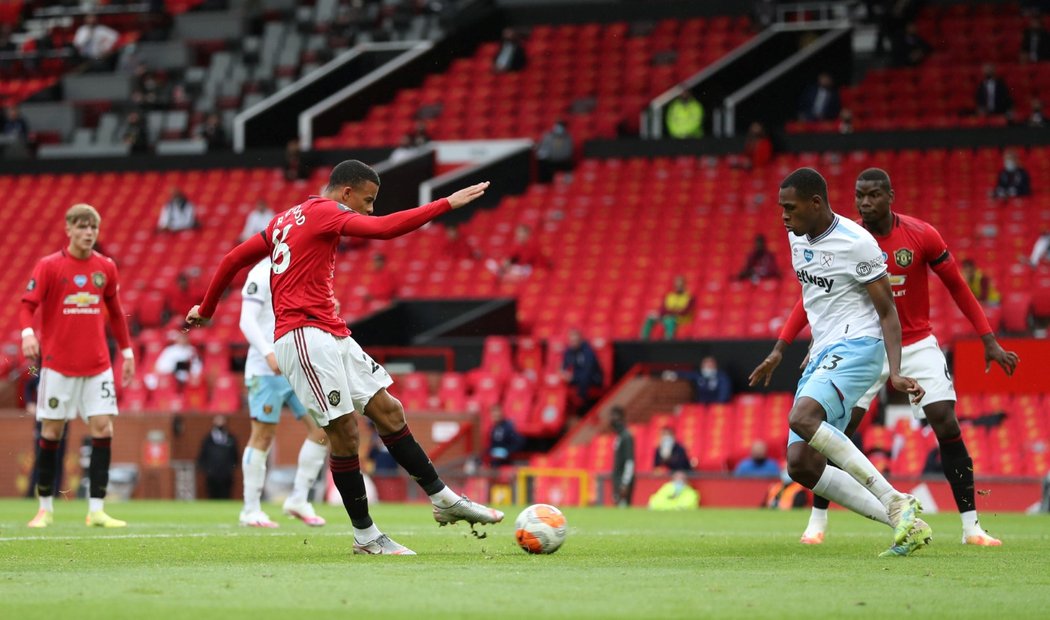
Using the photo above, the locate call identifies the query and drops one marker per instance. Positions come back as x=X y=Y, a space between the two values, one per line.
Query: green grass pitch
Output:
x=191 y=560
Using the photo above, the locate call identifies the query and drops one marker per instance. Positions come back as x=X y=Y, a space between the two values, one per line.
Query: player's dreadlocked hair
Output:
x=807 y=183
x=876 y=175
x=352 y=173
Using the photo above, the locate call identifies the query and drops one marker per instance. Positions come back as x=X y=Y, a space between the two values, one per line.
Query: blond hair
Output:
x=83 y=211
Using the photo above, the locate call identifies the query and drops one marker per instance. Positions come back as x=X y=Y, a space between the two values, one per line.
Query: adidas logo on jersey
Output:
x=805 y=278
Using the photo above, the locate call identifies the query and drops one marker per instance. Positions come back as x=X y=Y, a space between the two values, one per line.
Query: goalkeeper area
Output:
x=191 y=561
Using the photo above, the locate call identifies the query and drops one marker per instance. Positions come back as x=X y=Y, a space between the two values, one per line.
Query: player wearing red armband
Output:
x=70 y=288
x=910 y=245
x=329 y=372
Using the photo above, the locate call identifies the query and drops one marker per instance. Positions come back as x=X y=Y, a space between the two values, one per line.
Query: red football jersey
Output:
x=70 y=292
x=910 y=249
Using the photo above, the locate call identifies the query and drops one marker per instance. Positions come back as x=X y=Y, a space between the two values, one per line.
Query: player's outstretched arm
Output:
x=248 y=253
x=882 y=298
x=467 y=195
x=402 y=222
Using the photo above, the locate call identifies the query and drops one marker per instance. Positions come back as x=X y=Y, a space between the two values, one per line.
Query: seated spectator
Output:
x=145 y=89
x=180 y=360
x=212 y=132
x=761 y=263
x=405 y=149
x=458 y=247
x=135 y=133
x=670 y=454
x=1013 y=179
x=504 y=439
x=257 y=221
x=980 y=284
x=294 y=169
x=758 y=465
x=525 y=255
x=554 y=152
x=180 y=297
x=94 y=41
x=677 y=309
x=15 y=125
x=1035 y=43
x=992 y=96
x=758 y=149
x=846 y=122
x=685 y=116
x=1036 y=117
x=711 y=384
x=177 y=214
x=677 y=494
x=382 y=463
x=583 y=372
x=820 y=101
x=786 y=494
x=1040 y=249
x=909 y=49
x=384 y=283
x=419 y=134
x=511 y=55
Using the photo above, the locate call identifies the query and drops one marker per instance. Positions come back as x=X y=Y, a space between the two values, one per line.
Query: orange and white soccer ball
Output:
x=540 y=528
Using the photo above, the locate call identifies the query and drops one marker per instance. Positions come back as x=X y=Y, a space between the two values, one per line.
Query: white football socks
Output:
x=367 y=535
x=47 y=503
x=311 y=459
x=254 y=467
x=444 y=498
x=95 y=504
x=818 y=520
x=969 y=523
x=841 y=488
x=833 y=444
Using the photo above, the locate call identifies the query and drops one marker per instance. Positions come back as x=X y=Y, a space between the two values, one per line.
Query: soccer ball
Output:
x=540 y=528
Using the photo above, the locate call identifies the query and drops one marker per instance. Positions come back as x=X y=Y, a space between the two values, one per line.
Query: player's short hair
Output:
x=807 y=183
x=352 y=173
x=876 y=175
x=83 y=212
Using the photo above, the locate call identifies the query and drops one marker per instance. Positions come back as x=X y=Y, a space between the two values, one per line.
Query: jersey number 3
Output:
x=282 y=254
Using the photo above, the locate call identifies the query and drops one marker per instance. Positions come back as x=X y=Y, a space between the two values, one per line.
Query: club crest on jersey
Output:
x=80 y=279
x=826 y=259
x=98 y=279
x=903 y=257
x=334 y=398
x=808 y=255
x=252 y=288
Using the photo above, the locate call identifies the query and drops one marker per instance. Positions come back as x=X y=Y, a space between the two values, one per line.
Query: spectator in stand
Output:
x=992 y=96
x=583 y=372
x=1035 y=43
x=405 y=149
x=525 y=255
x=384 y=283
x=1013 y=179
x=786 y=494
x=1036 y=117
x=218 y=459
x=212 y=132
x=846 y=122
x=670 y=454
x=676 y=494
x=1040 y=250
x=677 y=309
x=511 y=55
x=145 y=90
x=458 y=247
x=685 y=116
x=135 y=133
x=820 y=101
x=711 y=384
x=15 y=125
x=554 y=152
x=95 y=41
x=177 y=214
x=761 y=263
x=294 y=169
x=257 y=220
x=180 y=296
x=623 y=470
x=758 y=465
x=504 y=439
x=980 y=283
x=909 y=49
x=758 y=149
x=180 y=360
x=420 y=137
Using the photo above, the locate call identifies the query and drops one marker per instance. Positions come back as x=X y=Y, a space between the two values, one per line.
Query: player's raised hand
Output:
x=1007 y=360
x=30 y=347
x=467 y=195
x=194 y=318
x=765 y=369
x=909 y=386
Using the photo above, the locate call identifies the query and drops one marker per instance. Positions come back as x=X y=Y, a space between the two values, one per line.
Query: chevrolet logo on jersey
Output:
x=896 y=281
x=81 y=299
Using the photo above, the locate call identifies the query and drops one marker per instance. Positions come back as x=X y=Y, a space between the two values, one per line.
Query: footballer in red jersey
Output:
x=328 y=370
x=912 y=248
x=74 y=289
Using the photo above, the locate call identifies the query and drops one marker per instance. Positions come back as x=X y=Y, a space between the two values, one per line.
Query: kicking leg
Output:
x=818 y=518
x=389 y=418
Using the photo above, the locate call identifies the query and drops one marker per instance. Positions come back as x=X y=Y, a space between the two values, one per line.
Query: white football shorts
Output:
x=924 y=362
x=61 y=398
x=331 y=376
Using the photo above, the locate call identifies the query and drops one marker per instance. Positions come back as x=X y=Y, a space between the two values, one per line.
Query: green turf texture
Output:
x=191 y=560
